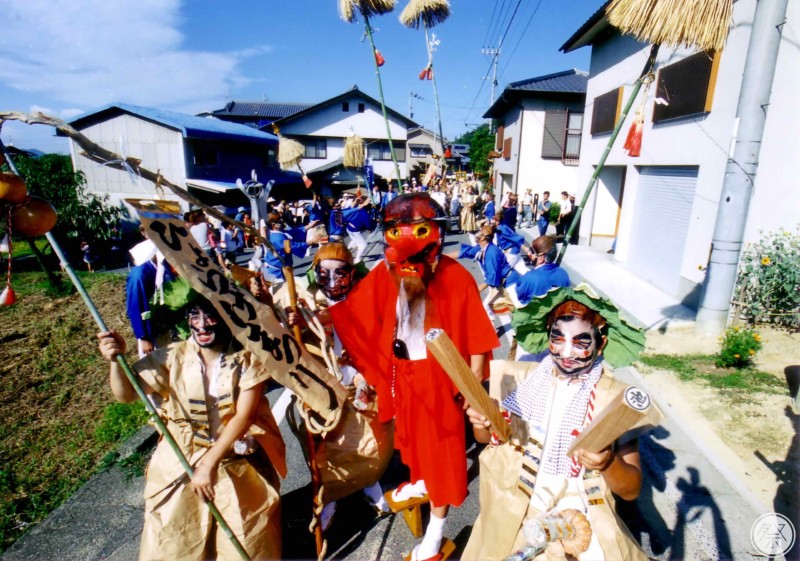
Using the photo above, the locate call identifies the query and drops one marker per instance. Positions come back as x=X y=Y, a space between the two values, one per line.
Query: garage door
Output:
x=661 y=221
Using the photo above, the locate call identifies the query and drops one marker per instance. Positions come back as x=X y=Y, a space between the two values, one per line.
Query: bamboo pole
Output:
x=134 y=380
x=368 y=28
x=648 y=68
x=436 y=100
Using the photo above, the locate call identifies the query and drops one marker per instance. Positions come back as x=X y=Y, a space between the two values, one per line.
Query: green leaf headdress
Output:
x=625 y=342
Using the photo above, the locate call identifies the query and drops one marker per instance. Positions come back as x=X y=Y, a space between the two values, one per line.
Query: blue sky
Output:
x=66 y=58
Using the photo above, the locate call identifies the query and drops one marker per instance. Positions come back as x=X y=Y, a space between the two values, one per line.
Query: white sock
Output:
x=417 y=489
x=375 y=495
x=432 y=540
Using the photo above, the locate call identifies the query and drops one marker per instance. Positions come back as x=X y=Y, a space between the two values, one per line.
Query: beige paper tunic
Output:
x=178 y=524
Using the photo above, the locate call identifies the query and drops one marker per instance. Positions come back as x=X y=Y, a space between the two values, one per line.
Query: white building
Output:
x=539 y=123
x=662 y=206
x=323 y=129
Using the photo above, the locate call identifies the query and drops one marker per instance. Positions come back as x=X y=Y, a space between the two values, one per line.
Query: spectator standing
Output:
x=526 y=221
x=563 y=216
x=544 y=213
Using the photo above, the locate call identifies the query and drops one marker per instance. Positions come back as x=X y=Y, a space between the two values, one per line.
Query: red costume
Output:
x=429 y=421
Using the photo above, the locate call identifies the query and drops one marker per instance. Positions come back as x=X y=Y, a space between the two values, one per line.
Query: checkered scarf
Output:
x=529 y=402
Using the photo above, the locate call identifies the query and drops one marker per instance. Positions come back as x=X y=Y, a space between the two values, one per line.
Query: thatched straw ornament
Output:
x=425 y=12
x=702 y=24
x=290 y=152
x=349 y=9
x=354 y=151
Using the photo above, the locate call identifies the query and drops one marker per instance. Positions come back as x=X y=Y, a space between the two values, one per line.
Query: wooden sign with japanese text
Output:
x=252 y=323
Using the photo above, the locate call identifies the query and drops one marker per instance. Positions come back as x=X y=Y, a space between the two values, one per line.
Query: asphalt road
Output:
x=688 y=508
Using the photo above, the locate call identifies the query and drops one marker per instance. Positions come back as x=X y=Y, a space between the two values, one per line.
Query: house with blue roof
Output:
x=204 y=155
x=538 y=139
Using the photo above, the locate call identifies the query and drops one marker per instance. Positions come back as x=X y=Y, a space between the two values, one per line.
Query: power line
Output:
x=494 y=58
x=514 y=50
x=490 y=26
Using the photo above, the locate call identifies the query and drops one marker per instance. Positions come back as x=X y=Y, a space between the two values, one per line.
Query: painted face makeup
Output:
x=204 y=327
x=413 y=249
x=573 y=346
x=335 y=278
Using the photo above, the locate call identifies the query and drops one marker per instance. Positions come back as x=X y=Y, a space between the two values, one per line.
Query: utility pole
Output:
x=495 y=53
x=740 y=173
x=410 y=105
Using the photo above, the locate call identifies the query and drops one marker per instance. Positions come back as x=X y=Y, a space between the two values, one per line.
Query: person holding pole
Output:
x=210 y=393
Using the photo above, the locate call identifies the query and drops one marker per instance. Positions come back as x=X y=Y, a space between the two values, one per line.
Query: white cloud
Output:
x=94 y=52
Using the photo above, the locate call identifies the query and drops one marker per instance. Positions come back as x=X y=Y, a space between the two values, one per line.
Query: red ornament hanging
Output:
x=307 y=181
x=633 y=143
x=379 y=60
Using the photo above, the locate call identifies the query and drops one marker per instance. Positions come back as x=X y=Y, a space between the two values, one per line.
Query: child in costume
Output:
x=530 y=476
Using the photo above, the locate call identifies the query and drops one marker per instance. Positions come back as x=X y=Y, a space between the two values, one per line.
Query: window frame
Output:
x=679 y=71
x=312 y=148
x=598 y=127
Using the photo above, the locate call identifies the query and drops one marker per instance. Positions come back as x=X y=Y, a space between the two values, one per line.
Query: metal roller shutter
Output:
x=663 y=207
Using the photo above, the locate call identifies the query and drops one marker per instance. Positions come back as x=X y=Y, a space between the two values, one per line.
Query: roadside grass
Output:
x=59 y=418
x=702 y=368
x=22 y=249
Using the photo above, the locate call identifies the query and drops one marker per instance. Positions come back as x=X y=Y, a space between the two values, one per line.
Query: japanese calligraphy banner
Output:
x=252 y=323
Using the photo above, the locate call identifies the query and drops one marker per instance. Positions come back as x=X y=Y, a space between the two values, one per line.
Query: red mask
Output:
x=413 y=236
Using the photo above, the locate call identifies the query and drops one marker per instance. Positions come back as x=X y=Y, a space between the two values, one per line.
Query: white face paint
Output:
x=335 y=278
x=573 y=346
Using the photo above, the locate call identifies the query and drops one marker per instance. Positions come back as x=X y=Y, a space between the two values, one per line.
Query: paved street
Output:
x=688 y=508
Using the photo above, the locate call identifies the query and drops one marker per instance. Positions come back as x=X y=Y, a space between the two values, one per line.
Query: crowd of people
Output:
x=211 y=392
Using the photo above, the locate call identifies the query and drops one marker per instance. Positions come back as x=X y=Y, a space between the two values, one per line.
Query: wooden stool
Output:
x=411 y=509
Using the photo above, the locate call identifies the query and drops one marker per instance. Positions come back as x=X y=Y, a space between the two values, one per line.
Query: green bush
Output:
x=768 y=280
x=121 y=421
x=739 y=347
x=554 y=212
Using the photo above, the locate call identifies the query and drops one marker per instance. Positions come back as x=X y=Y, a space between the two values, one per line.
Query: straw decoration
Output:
x=702 y=24
x=353 y=152
x=290 y=152
x=425 y=12
x=348 y=9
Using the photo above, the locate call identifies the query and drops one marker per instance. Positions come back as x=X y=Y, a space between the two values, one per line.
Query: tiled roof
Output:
x=260 y=109
x=190 y=126
x=568 y=81
x=566 y=85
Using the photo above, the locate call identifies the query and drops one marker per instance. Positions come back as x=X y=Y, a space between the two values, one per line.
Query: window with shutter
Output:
x=605 y=111
x=555 y=127
x=686 y=87
x=562 y=136
x=507 y=149
x=499 y=138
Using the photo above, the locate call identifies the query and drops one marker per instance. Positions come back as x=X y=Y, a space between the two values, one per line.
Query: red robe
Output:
x=429 y=421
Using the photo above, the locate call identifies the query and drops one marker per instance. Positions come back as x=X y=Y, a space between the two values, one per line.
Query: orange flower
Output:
x=757 y=337
x=752 y=352
x=736 y=355
x=765 y=260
